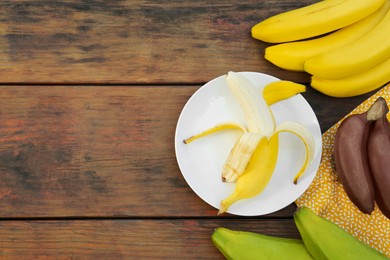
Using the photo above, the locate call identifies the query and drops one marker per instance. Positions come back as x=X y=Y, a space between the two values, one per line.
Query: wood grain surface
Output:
x=124 y=239
x=130 y=41
x=101 y=151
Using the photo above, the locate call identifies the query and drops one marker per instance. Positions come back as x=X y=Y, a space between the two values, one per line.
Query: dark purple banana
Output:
x=379 y=161
x=351 y=160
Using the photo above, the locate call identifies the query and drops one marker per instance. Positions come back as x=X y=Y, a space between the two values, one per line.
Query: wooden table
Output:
x=90 y=95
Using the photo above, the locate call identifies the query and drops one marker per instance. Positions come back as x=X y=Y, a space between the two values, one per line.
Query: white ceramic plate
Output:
x=201 y=161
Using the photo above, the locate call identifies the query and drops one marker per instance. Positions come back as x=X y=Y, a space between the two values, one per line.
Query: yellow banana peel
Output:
x=257 y=174
x=280 y=90
x=307 y=139
x=216 y=128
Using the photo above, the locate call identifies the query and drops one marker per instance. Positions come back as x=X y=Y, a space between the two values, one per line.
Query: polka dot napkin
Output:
x=327 y=198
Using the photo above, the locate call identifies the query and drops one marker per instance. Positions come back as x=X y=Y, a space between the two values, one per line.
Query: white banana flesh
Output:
x=239 y=156
x=257 y=113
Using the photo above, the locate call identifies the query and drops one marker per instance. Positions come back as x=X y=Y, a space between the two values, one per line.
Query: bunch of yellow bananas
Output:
x=350 y=54
x=253 y=158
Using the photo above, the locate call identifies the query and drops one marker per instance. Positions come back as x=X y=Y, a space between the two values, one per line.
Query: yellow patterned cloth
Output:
x=327 y=198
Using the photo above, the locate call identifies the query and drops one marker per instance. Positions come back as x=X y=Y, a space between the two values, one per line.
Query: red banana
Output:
x=351 y=160
x=379 y=161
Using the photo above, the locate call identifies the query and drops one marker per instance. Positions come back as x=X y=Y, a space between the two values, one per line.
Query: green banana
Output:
x=325 y=240
x=247 y=245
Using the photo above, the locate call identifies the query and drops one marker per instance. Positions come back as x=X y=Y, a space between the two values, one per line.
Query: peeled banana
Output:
x=325 y=240
x=313 y=20
x=363 y=54
x=252 y=160
x=249 y=245
x=293 y=55
x=262 y=164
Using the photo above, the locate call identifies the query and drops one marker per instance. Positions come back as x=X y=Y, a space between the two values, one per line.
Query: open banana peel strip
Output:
x=216 y=128
x=252 y=160
x=280 y=90
x=307 y=139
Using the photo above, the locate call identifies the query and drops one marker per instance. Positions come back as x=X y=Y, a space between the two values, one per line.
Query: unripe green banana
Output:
x=247 y=245
x=325 y=240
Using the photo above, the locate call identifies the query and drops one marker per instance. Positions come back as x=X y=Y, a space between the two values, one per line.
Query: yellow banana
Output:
x=355 y=85
x=257 y=174
x=281 y=89
x=313 y=20
x=293 y=55
x=357 y=57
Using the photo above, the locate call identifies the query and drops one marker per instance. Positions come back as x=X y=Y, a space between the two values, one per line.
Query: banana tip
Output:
x=188 y=140
x=222 y=209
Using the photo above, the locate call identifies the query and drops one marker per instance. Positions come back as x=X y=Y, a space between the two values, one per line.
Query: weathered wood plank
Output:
x=126 y=41
x=125 y=239
x=93 y=151
x=103 y=151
